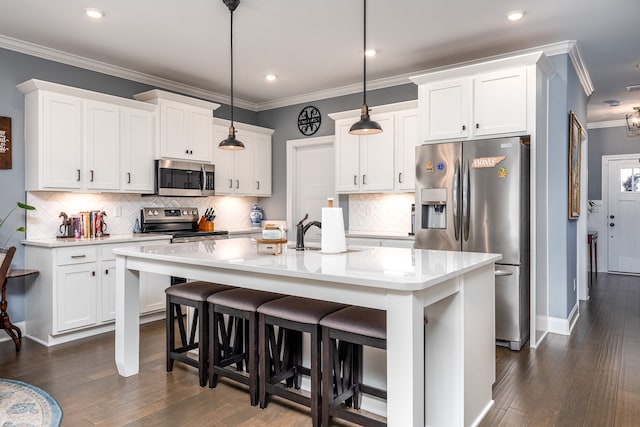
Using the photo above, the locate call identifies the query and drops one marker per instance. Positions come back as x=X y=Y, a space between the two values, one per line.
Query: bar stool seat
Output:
x=344 y=333
x=236 y=342
x=191 y=294
x=281 y=354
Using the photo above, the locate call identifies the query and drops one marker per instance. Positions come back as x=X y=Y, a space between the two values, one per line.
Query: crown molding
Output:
x=113 y=70
x=607 y=124
x=566 y=47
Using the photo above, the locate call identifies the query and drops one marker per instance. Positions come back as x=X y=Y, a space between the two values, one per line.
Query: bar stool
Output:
x=342 y=381
x=236 y=342
x=191 y=294
x=281 y=354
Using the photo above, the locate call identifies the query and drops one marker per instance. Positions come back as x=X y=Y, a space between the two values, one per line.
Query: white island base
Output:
x=438 y=375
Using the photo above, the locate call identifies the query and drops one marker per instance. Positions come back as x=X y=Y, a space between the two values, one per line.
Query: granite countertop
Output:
x=382 y=267
x=114 y=238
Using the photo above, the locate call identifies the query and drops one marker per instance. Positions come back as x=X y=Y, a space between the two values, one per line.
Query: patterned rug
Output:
x=23 y=405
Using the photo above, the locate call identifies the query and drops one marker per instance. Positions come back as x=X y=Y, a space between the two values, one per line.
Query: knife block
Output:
x=204 y=225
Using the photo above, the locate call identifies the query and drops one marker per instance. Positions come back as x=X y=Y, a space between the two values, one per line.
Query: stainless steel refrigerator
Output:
x=473 y=196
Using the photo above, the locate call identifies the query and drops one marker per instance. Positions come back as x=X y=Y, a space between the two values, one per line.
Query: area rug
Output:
x=23 y=405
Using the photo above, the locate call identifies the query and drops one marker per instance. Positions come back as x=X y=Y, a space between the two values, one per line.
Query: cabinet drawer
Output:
x=76 y=255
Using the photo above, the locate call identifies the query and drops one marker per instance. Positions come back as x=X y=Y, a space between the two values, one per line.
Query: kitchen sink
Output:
x=292 y=246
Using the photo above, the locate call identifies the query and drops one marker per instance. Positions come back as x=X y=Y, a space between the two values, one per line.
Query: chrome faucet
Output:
x=302 y=229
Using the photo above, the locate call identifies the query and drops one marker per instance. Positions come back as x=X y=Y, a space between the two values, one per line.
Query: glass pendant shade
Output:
x=365 y=126
x=231 y=143
x=633 y=122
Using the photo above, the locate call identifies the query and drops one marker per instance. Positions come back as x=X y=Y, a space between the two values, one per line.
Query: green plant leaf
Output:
x=26 y=207
x=22 y=229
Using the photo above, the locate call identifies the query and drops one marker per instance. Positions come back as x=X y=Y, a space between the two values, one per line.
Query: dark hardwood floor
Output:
x=591 y=378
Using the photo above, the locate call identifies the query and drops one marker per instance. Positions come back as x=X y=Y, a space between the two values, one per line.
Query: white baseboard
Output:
x=564 y=326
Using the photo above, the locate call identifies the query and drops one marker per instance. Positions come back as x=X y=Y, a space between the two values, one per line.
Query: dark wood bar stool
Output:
x=191 y=294
x=344 y=333
x=281 y=354
x=235 y=342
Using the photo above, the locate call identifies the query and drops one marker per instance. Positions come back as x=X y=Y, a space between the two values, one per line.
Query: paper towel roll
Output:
x=333 y=239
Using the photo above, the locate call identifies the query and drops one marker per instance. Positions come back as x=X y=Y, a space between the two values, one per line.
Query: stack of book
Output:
x=88 y=224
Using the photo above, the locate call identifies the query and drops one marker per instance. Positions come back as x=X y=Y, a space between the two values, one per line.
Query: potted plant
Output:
x=21 y=229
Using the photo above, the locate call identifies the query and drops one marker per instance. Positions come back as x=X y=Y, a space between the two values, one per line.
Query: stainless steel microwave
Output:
x=184 y=179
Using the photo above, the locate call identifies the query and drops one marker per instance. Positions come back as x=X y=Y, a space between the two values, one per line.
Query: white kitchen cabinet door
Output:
x=445 y=109
x=223 y=160
x=75 y=296
x=200 y=133
x=152 y=296
x=60 y=145
x=262 y=156
x=185 y=131
x=406 y=140
x=136 y=150
x=376 y=156
x=107 y=291
x=500 y=102
x=102 y=145
x=244 y=165
x=347 y=152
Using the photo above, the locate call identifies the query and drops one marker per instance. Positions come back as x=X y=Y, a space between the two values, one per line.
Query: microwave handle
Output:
x=203 y=180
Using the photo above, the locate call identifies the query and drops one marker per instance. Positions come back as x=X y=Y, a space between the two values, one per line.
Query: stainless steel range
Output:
x=181 y=223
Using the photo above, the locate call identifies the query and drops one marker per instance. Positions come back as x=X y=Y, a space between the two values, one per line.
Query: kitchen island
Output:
x=438 y=373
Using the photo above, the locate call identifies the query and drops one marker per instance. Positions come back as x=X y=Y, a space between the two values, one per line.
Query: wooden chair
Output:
x=6 y=256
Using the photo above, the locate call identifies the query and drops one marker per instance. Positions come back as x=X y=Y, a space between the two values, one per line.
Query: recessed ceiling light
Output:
x=515 y=15
x=270 y=77
x=633 y=87
x=94 y=13
x=370 y=52
x=612 y=102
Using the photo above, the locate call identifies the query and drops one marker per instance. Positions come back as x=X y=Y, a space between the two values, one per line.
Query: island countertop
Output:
x=438 y=374
x=382 y=267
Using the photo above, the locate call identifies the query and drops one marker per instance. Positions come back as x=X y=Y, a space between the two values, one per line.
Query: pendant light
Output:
x=231 y=143
x=365 y=126
x=633 y=122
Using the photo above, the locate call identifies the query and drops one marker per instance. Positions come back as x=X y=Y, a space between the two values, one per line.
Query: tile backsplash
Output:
x=383 y=213
x=232 y=213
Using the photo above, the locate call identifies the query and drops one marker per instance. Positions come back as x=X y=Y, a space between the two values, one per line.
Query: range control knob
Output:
x=194 y=213
x=155 y=213
x=149 y=212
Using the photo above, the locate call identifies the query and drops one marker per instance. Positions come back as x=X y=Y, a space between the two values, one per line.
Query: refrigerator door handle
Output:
x=466 y=200
x=502 y=273
x=456 y=191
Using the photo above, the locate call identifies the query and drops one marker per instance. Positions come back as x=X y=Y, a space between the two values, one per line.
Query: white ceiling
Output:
x=315 y=46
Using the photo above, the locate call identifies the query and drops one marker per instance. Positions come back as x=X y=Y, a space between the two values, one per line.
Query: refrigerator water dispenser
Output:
x=434 y=207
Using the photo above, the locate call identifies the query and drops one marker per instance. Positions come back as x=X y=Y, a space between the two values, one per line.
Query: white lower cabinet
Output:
x=74 y=295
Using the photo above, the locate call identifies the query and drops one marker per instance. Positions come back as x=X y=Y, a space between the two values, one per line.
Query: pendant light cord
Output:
x=231 y=67
x=364 y=56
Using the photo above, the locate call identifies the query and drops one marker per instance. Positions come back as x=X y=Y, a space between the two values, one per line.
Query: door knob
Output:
x=611 y=216
x=612 y=224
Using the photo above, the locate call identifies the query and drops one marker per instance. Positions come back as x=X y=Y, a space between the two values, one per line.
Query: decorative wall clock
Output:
x=309 y=120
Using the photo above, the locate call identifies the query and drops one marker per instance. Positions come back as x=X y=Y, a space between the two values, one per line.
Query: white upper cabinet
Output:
x=446 y=108
x=53 y=135
x=138 y=138
x=500 y=102
x=474 y=104
x=406 y=140
x=102 y=146
x=75 y=139
x=185 y=127
x=383 y=162
x=243 y=172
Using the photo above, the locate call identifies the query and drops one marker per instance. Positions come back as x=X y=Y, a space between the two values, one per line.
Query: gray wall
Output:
x=565 y=94
x=16 y=68
x=607 y=142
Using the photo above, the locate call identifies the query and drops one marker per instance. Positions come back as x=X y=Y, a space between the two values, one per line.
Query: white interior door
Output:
x=310 y=181
x=623 y=216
